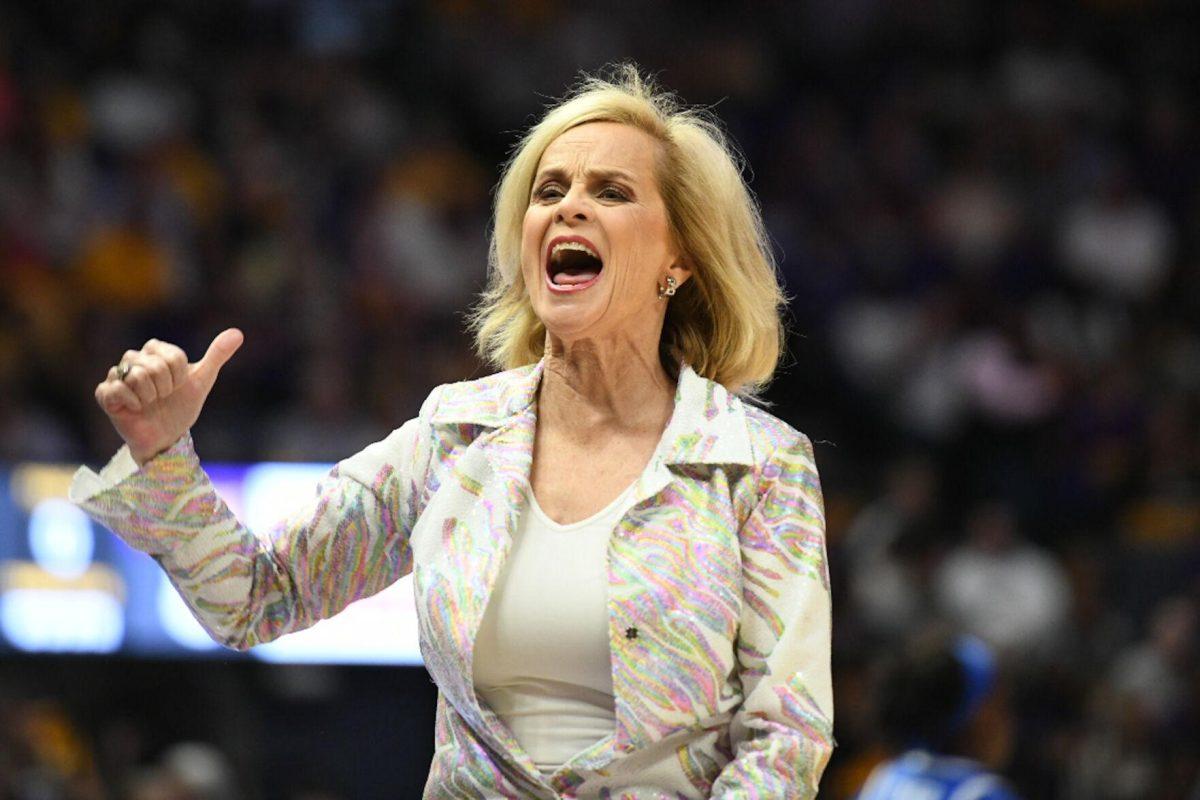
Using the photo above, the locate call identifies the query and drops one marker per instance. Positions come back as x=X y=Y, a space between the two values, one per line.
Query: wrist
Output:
x=141 y=456
x=175 y=466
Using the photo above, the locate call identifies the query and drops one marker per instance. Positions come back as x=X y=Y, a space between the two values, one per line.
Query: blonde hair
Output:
x=726 y=321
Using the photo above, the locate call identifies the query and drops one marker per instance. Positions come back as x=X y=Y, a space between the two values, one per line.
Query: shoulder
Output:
x=958 y=778
x=984 y=787
x=483 y=401
x=451 y=417
x=768 y=432
x=775 y=442
x=712 y=425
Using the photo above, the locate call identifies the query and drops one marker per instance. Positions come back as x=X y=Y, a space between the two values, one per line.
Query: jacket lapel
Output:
x=708 y=426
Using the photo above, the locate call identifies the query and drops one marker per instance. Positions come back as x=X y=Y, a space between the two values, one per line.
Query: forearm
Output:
x=169 y=509
x=245 y=589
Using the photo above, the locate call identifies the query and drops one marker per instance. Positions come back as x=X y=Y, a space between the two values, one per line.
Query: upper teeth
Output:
x=583 y=248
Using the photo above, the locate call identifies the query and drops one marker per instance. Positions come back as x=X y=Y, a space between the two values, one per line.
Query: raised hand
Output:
x=160 y=395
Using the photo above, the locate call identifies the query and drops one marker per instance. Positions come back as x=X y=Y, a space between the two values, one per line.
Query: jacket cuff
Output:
x=135 y=503
x=87 y=483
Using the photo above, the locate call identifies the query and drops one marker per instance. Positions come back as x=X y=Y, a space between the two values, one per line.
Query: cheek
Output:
x=650 y=247
x=531 y=238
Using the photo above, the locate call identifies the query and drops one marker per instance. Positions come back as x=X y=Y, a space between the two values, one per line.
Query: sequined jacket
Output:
x=718 y=589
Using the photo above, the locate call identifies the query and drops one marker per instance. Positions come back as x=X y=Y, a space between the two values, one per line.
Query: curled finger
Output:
x=114 y=396
x=141 y=383
x=160 y=372
x=173 y=355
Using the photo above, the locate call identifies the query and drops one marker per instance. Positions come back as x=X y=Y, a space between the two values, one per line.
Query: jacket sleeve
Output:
x=348 y=541
x=782 y=735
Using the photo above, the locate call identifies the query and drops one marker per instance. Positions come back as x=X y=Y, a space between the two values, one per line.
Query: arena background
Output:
x=986 y=215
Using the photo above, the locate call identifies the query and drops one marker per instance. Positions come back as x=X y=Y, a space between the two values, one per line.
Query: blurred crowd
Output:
x=987 y=216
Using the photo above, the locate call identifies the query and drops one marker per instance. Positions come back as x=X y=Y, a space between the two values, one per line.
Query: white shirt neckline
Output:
x=545 y=519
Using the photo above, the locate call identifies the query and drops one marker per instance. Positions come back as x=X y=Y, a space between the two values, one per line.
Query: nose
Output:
x=573 y=206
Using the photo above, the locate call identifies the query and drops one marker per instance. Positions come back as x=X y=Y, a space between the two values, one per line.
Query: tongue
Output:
x=574 y=278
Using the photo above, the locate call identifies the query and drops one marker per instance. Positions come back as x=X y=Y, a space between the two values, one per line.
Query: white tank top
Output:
x=542 y=656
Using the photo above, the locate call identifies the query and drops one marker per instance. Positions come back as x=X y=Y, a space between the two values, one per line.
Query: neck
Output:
x=592 y=389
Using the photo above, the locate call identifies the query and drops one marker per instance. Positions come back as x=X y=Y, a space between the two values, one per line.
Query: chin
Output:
x=567 y=330
x=570 y=319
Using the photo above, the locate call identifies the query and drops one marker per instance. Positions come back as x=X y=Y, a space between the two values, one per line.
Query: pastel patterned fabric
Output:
x=718 y=588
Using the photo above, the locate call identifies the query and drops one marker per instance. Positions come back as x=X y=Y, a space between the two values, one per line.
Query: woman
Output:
x=619 y=564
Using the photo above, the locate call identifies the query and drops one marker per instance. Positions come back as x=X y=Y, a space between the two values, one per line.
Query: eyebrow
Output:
x=603 y=174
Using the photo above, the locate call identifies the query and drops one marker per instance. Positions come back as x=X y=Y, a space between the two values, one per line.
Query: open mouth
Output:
x=572 y=262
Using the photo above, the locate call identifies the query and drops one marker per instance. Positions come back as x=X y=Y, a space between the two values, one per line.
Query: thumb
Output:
x=221 y=350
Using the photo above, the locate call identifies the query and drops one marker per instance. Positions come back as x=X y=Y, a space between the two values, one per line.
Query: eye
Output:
x=548 y=191
x=611 y=192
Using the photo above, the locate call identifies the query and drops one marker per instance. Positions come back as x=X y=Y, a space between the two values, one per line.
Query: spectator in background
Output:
x=186 y=771
x=27 y=431
x=156 y=783
x=1158 y=673
x=1144 y=716
x=322 y=425
x=945 y=713
x=1002 y=588
x=43 y=753
x=202 y=769
x=1117 y=242
x=889 y=546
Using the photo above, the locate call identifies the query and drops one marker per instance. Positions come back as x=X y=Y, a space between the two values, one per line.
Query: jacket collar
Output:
x=708 y=425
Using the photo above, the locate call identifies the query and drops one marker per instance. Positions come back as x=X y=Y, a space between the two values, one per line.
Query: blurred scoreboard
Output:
x=68 y=585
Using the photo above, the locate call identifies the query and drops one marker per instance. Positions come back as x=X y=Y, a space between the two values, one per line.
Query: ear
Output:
x=681 y=271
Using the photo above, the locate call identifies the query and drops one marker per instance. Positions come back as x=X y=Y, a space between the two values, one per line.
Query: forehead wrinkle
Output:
x=577 y=148
x=591 y=173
